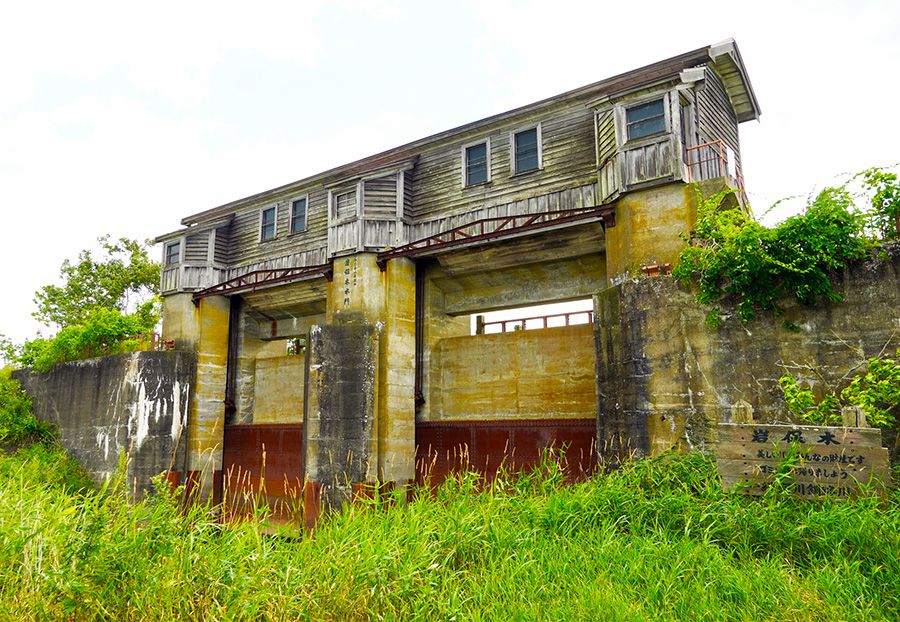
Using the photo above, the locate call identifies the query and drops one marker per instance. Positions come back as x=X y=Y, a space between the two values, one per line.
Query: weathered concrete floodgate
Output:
x=325 y=326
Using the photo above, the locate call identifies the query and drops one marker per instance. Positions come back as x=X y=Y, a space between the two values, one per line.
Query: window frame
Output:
x=540 y=148
x=621 y=115
x=334 y=193
x=262 y=215
x=464 y=177
x=291 y=201
x=178 y=260
x=662 y=116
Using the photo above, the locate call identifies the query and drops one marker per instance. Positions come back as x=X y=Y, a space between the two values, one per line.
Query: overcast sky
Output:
x=122 y=118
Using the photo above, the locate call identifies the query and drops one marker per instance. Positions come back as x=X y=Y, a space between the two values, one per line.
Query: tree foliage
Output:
x=735 y=259
x=106 y=305
x=103 y=332
x=123 y=277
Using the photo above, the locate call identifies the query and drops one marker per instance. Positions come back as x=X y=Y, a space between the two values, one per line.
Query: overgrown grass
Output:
x=655 y=540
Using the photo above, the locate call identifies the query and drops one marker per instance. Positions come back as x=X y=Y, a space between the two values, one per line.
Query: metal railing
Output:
x=712 y=160
x=153 y=342
x=522 y=323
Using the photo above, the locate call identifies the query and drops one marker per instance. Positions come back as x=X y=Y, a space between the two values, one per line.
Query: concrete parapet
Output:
x=664 y=379
x=133 y=404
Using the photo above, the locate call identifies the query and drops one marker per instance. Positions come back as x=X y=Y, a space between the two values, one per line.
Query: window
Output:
x=526 y=147
x=267 y=224
x=173 y=253
x=345 y=205
x=298 y=215
x=476 y=164
x=645 y=120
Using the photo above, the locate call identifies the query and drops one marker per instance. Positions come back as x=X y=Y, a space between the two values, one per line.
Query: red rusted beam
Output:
x=264 y=278
x=530 y=222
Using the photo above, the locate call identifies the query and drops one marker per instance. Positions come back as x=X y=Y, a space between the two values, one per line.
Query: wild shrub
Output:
x=876 y=390
x=18 y=425
x=735 y=259
x=102 y=333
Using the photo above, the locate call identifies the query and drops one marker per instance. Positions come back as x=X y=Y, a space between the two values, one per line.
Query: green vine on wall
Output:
x=876 y=391
x=735 y=259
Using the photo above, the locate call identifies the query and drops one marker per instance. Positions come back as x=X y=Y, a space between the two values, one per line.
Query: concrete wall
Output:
x=132 y=403
x=664 y=378
x=279 y=389
x=517 y=375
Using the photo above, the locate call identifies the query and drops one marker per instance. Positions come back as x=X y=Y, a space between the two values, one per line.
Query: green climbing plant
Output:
x=736 y=260
x=875 y=390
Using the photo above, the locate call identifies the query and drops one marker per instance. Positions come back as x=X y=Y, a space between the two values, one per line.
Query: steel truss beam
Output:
x=264 y=278
x=488 y=229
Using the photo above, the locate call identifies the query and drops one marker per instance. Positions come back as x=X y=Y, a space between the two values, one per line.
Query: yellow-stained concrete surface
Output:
x=207 y=416
x=648 y=226
x=357 y=289
x=666 y=379
x=362 y=293
x=396 y=377
x=522 y=374
x=180 y=318
x=279 y=389
x=518 y=286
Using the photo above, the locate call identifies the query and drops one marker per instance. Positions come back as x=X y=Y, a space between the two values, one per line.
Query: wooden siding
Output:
x=380 y=197
x=190 y=278
x=343 y=238
x=246 y=253
x=648 y=162
x=222 y=248
x=568 y=161
x=407 y=195
x=715 y=115
x=312 y=257
x=345 y=204
x=606 y=155
x=196 y=248
x=381 y=234
x=432 y=197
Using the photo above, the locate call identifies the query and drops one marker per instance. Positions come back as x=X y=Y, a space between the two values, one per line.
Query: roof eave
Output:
x=726 y=58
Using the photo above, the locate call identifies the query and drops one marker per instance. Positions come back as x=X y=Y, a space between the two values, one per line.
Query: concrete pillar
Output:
x=360 y=404
x=179 y=321
x=206 y=418
x=340 y=426
x=649 y=226
x=853 y=417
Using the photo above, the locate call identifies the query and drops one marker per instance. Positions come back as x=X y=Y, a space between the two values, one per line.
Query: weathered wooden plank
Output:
x=779 y=451
x=196 y=247
x=568 y=160
x=745 y=433
x=818 y=460
x=802 y=472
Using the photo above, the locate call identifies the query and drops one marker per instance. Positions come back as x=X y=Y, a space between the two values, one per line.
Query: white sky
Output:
x=122 y=118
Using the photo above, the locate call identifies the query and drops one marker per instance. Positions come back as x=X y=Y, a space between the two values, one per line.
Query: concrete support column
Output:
x=359 y=422
x=649 y=224
x=206 y=418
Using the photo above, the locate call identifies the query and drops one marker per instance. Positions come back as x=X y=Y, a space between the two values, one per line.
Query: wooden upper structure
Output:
x=673 y=121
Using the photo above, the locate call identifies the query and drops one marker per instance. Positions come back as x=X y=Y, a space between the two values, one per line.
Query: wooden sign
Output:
x=830 y=460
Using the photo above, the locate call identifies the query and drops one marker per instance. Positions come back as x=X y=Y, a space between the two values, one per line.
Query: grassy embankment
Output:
x=655 y=540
